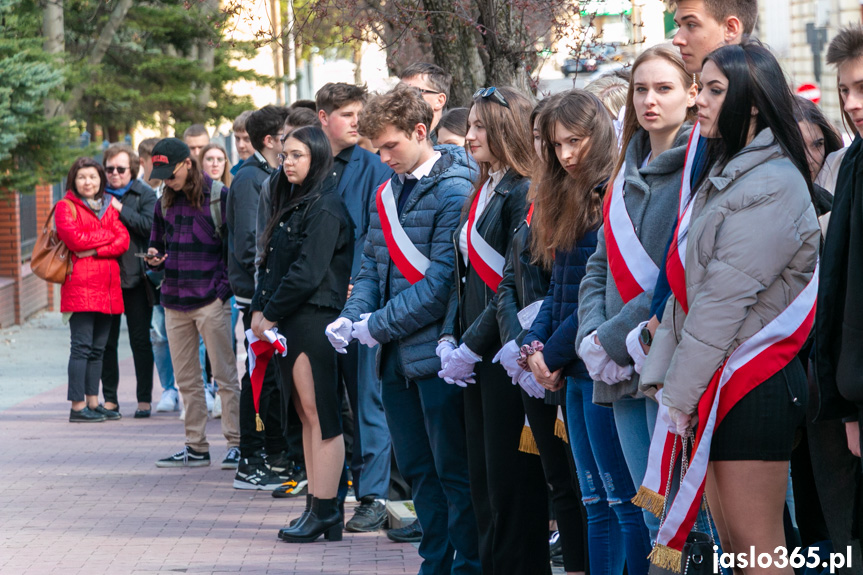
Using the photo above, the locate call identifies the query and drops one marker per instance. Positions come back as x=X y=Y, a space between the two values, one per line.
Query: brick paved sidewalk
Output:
x=88 y=499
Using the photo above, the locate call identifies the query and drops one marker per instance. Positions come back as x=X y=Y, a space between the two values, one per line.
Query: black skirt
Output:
x=762 y=425
x=304 y=332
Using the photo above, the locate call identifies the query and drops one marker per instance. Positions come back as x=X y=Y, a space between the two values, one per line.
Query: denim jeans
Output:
x=614 y=523
x=161 y=349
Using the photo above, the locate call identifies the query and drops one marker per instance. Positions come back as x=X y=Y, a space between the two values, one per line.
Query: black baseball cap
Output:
x=167 y=153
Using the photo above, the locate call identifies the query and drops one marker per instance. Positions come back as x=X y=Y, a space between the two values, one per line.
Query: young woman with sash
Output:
x=513 y=523
x=743 y=272
x=520 y=293
x=638 y=218
x=580 y=146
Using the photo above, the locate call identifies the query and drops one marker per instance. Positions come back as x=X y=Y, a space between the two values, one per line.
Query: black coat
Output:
x=308 y=258
x=139 y=205
x=472 y=310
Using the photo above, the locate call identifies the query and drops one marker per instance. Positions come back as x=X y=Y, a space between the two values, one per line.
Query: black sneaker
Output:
x=85 y=415
x=555 y=549
x=369 y=516
x=110 y=414
x=293 y=487
x=188 y=457
x=279 y=462
x=412 y=533
x=253 y=474
x=232 y=459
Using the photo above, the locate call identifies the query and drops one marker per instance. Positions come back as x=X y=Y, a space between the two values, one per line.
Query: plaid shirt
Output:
x=195 y=273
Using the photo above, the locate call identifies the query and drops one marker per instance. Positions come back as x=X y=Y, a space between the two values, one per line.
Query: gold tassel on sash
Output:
x=259 y=425
x=560 y=425
x=650 y=500
x=527 y=443
x=666 y=558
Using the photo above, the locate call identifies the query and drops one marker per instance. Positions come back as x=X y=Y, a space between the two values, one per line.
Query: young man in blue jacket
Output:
x=398 y=304
x=264 y=129
x=358 y=173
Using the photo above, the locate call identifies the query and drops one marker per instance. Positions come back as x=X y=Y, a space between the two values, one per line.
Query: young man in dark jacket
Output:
x=264 y=130
x=358 y=174
x=398 y=301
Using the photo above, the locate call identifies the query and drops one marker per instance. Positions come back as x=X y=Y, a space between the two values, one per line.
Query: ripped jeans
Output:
x=614 y=523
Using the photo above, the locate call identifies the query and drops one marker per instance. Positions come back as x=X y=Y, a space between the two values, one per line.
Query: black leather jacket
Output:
x=308 y=258
x=472 y=311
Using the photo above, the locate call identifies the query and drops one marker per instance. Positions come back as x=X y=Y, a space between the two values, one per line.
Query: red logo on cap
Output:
x=160 y=159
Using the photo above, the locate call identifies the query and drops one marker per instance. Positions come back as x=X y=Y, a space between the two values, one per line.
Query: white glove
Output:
x=593 y=355
x=633 y=346
x=360 y=331
x=613 y=374
x=444 y=350
x=339 y=334
x=681 y=422
x=530 y=386
x=459 y=367
x=508 y=358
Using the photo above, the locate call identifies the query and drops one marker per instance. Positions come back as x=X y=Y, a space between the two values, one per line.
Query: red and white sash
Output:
x=487 y=262
x=757 y=359
x=676 y=262
x=632 y=268
x=261 y=351
x=408 y=259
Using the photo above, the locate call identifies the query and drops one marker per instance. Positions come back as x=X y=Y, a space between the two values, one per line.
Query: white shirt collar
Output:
x=423 y=169
x=496 y=177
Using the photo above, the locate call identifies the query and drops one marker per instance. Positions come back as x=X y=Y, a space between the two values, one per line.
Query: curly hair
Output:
x=402 y=107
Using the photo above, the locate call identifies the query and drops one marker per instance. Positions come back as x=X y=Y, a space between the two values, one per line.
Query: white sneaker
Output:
x=170 y=401
x=183 y=414
x=217 y=408
x=211 y=399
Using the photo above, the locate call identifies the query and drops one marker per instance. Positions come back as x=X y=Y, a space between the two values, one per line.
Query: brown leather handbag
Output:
x=51 y=259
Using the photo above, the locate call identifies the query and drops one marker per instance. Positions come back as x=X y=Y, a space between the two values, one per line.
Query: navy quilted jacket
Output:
x=556 y=324
x=412 y=315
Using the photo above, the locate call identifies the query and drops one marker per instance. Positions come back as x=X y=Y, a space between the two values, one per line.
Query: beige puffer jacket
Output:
x=752 y=248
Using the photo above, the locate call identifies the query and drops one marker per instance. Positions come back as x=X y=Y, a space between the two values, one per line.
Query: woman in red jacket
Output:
x=91 y=229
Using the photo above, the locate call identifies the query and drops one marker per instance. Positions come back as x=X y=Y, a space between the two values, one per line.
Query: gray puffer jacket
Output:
x=752 y=248
x=411 y=315
x=651 y=196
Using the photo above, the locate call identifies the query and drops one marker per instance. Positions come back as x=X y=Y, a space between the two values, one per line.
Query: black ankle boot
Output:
x=323 y=519
x=305 y=512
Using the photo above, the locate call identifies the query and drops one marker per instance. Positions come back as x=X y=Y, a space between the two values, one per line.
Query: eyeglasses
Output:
x=427 y=91
x=214 y=160
x=294 y=157
x=174 y=173
x=491 y=94
x=119 y=169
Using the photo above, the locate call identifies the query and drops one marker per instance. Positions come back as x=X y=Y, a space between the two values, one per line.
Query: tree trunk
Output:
x=53 y=29
x=100 y=48
x=506 y=46
x=207 y=56
x=454 y=45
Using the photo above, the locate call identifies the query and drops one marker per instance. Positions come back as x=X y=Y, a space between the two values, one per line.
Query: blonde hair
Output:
x=611 y=89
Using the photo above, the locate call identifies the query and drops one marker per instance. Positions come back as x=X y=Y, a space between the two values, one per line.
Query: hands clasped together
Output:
x=341 y=332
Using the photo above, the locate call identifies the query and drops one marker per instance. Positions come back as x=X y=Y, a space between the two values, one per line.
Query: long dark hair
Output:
x=808 y=111
x=755 y=79
x=568 y=206
x=193 y=189
x=86 y=163
x=284 y=195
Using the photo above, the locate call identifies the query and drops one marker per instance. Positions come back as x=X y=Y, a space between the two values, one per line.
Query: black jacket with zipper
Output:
x=472 y=311
x=139 y=205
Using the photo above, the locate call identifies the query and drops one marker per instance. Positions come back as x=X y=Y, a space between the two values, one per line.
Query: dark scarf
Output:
x=118 y=192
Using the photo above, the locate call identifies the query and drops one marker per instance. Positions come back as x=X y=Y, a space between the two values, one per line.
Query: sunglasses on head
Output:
x=119 y=169
x=491 y=94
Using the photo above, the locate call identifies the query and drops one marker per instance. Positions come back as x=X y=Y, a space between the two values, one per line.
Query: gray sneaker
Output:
x=253 y=474
x=188 y=457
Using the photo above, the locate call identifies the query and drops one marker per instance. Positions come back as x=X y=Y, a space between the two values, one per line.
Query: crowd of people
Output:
x=603 y=311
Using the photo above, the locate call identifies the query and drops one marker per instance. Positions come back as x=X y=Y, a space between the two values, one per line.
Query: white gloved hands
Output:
x=458 y=369
x=681 y=422
x=360 y=331
x=508 y=358
x=613 y=374
x=593 y=355
x=444 y=350
x=339 y=334
x=633 y=346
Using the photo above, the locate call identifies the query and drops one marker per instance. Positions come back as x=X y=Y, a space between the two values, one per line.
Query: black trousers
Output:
x=513 y=521
x=271 y=438
x=139 y=315
x=556 y=457
x=89 y=332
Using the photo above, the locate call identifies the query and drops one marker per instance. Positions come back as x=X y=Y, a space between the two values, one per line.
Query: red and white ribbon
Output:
x=486 y=261
x=676 y=262
x=632 y=268
x=408 y=259
x=756 y=360
x=261 y=351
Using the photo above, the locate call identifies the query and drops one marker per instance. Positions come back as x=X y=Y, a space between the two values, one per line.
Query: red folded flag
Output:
x=260 y=353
